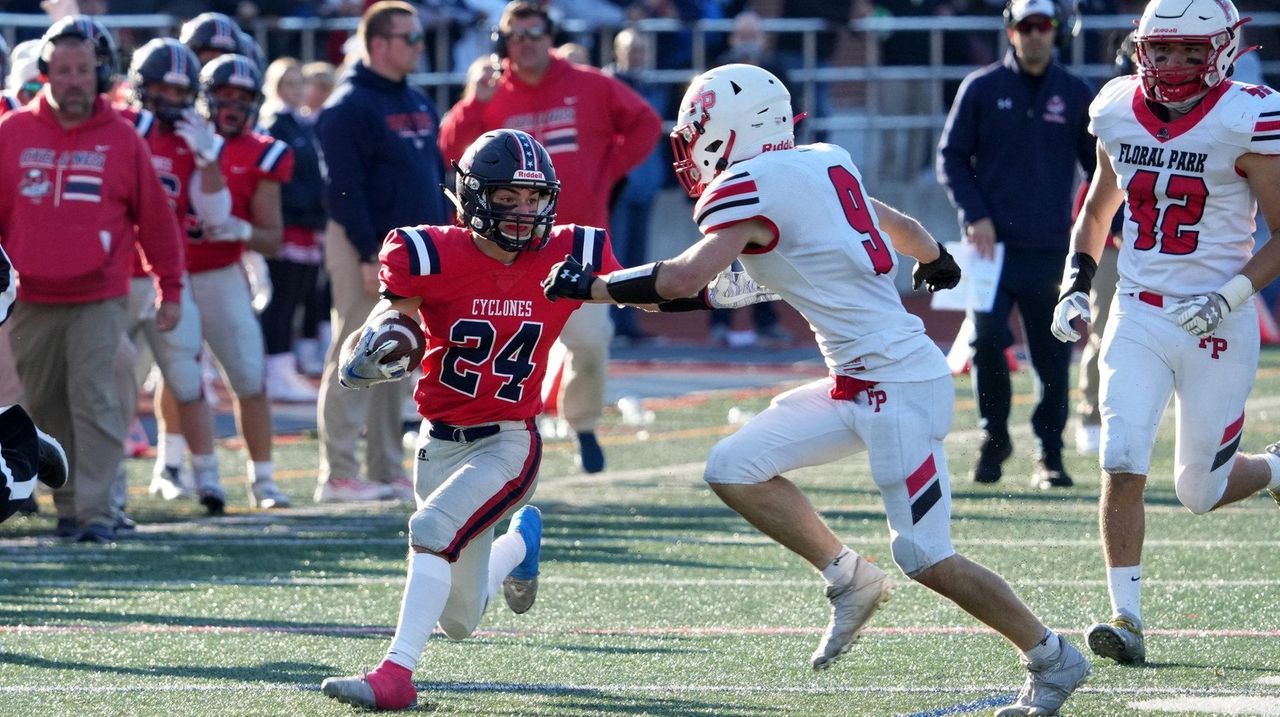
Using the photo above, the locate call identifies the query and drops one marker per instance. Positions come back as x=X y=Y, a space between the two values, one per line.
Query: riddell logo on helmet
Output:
x=529 y=174
x=784 y=144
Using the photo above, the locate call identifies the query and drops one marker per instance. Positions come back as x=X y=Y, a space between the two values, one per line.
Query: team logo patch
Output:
x=35 y=184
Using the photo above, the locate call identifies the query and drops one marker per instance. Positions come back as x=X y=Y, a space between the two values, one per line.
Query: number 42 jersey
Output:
x=488 y=326
x=1189 y=211
x=829 y=259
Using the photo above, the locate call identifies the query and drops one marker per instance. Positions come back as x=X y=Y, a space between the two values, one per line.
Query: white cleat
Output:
x=267 y=495
x=171 y=483
x=1049 y=685
x=852 y=606
x=353 y=691
x=1119 y=639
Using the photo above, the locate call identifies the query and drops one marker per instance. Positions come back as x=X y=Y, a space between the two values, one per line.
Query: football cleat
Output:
x=390 y=687
x=520 y=588
x=267 y=495
x=1119 y=639
x=170 y=483
x=1050 y=473
x=52 y=464
x=209 y=491
x=1274 y=448
x=1049 y=685
x=590 y=455
x=852 y=605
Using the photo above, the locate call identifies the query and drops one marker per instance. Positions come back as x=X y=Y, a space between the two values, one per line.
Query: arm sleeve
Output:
x=955 y=156
x=157 y=230
x=460 y=127
x=214 y=208
x=347 y=143
x=637 y=128
x=1086 y=145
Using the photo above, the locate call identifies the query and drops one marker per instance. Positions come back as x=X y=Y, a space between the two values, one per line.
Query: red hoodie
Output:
x=72 y=203
x=595 y=127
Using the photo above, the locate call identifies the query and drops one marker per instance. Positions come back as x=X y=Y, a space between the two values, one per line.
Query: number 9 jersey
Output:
x=488 y=326
x=1167 y=171
x=829 y=259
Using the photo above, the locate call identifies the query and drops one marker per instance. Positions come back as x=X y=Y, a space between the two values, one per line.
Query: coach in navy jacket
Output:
x=1008 y=157
x=378 y=138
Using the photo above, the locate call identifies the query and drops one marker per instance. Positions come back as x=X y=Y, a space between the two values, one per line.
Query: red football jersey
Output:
x=246 y=159
x=174 y=164
x=488 y=326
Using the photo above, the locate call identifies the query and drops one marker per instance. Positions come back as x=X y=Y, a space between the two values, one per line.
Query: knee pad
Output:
x=913 y=558
x=182 y=379
x=428 y=531
x=1123 y=450
x=1199 y=491
x=734 y=464
x=456 y=629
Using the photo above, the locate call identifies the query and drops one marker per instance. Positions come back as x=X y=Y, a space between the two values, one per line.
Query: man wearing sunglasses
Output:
x=596 y=129
x=1008 y=158
x=377 y=134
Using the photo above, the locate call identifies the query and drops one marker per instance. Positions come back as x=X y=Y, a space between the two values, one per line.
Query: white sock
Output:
x=261 y=470
x=1046 y=649
x=425 y=591
x=840 y=570
x=507 y=552
x=1273 y=462
x=172 y=450
x=1125 y=587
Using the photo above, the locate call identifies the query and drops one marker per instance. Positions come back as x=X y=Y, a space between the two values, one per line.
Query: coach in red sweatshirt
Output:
x=77 y=189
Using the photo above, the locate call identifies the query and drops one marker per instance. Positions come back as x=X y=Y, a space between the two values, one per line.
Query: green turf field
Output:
x=655 y=599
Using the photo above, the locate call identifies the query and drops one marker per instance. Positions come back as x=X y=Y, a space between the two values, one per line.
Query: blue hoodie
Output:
x=378 y=143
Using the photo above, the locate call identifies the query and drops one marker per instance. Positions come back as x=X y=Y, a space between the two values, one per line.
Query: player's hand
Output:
x=941 y=273
x=736 y=289
x=362 y=364
x=200 y=136
x=1199 y=315
x=168 y=314
x=569 y=279
x=233 y=229
x=1069 y=307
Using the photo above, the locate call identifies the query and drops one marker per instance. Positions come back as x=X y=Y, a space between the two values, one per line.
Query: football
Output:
x=407 y=335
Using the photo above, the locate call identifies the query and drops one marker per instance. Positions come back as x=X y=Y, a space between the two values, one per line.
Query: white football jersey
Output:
x=829 y=259
x=1188 y=212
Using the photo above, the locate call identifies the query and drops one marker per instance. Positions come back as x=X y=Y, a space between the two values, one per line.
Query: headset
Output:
x=527 y=9
x=85 y=27
x=1065 y=12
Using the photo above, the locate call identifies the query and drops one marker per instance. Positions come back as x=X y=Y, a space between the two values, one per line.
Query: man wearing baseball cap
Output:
x=1008 y=157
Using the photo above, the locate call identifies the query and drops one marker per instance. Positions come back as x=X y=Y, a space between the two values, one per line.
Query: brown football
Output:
x=406 y=333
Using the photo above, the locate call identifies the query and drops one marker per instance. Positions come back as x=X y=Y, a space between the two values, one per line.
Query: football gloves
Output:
x=1069 y=307
x=736 y=289
x=941 y=273
x=569 y=279
x=233 y=229
x=200 y=136
x=1200 y=315
x=363 y=366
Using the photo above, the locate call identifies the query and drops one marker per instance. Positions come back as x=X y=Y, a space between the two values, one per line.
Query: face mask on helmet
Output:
x=1166 y=28
x=230 y=72
x=165 y=76
x=489 y=177
x=729 y=114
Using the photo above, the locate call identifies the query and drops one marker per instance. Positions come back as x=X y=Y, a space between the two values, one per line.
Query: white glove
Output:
x=736 y=289
x=200 y=136
x=363 y=367
x=255 y=267
x=233 y=229
x=1069 y=307
x=1200 y=315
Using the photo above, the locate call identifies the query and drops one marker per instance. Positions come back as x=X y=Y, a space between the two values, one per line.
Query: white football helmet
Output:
x=1214 y=23
x=728 y=114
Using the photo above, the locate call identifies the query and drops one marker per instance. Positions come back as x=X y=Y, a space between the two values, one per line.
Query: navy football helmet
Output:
x=164 y=60
x=230 y=71
x=211 y=32
x=505 y=158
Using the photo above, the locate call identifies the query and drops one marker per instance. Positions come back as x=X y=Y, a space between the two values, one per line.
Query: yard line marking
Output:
x=1217 y=705
x=397 y=581
x=561 y=688
x=964 y=707
x=541 y=633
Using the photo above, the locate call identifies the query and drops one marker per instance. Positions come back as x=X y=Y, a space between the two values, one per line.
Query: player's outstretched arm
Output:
x=366 y=358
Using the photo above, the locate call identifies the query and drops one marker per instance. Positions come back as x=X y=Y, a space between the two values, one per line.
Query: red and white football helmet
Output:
x=1213 y=23
x=728 y=114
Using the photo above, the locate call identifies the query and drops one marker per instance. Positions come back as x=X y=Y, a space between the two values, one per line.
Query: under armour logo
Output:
x=570 y=275
x=1004 y=103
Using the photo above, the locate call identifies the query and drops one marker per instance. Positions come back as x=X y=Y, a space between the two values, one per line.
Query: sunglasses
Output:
x=410 y=38
x=1047 y=24
x=531 y=33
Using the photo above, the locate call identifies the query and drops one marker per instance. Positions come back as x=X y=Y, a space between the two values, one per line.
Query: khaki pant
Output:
x=10 y=385
x=68 y=357
x=346 y=413
x=584 y=348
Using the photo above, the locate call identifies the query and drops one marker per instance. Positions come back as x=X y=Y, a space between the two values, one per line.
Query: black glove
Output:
x=941 y=273
x=569 y=280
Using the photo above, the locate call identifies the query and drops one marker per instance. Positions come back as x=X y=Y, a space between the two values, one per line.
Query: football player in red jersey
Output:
x=164 y=80
x=254 y=166
x=476 y=290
